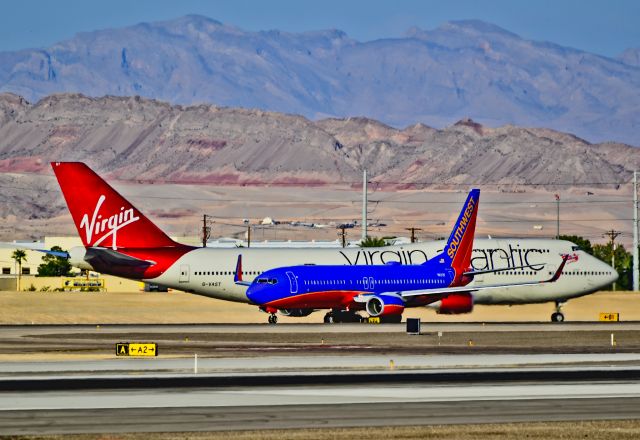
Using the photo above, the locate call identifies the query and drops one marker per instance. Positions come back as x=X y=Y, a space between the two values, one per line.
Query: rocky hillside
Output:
x=436 y=77
x=136 y=138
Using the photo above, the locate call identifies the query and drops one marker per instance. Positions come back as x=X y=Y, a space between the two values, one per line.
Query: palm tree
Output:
x=373 y=242
x=19 y=256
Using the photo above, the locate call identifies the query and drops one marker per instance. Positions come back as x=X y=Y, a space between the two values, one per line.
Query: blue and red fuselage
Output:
x=379 y=289
x=327 y=287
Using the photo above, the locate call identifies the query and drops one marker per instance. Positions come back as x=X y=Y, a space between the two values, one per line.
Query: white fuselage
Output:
x=209 y=271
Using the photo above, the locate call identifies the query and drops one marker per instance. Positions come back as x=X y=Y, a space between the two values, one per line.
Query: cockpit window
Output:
x=267 y=281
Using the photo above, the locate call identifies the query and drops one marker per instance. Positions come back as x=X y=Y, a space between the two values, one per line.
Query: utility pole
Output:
x=364 y=205
x=248 y=235
x=206 y=231
x=636 y=273
x=557 y=217
x=343 y=236
x=413 y=233
x=613 y=234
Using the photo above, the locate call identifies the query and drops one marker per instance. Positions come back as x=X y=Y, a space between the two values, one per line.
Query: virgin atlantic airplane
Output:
x=383 y=291
x=119 y=240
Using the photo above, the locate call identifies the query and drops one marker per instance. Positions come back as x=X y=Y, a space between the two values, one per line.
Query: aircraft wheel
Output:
x=273 y=319
x=328 y=318
x=557 y=317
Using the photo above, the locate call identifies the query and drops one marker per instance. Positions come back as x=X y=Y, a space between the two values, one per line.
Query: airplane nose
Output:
x=614 y=275
x=250 y=294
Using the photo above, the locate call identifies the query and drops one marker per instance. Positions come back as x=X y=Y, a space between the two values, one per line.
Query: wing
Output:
x=449 y=290
x=480 y=272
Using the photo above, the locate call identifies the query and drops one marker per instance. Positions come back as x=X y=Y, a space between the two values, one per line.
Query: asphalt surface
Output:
x=275 y=378
x=303 y=364
x=326 y=407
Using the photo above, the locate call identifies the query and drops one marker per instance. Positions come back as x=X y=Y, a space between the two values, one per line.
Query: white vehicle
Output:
x=119 y=240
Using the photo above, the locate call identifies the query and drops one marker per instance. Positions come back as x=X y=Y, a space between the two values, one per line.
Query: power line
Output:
x=441 y=183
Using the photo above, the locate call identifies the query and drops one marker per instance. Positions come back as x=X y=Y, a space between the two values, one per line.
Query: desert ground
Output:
x=603 y=430
x=177 y=307
x=178 y=210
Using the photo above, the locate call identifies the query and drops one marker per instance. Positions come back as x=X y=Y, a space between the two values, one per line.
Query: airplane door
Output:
x=371 y=283
x=184 y=273
x=293 y=282
x=365 y=283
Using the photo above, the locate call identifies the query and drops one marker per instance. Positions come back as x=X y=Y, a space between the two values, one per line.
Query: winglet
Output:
x=237 y=275
x=556 y=275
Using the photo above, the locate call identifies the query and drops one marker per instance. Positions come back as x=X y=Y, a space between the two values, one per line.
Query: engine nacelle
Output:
x=454 y=304
x=384 y=305
x=296 y=313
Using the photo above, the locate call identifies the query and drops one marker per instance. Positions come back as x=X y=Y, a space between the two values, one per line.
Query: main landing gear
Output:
x=273 y=319
x=336 y=315
x=558 y=316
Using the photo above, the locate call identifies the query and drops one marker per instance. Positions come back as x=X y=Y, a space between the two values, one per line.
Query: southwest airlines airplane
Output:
x=383 y=291
x=119 y=240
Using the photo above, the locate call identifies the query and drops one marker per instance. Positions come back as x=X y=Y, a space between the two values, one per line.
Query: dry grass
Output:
x=179 y=307
x=601 y=430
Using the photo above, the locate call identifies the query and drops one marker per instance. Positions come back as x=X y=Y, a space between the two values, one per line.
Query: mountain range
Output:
x=142 y=139
x=463 y=69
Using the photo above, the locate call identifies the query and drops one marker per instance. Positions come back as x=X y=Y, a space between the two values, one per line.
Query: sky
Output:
x=603 y=27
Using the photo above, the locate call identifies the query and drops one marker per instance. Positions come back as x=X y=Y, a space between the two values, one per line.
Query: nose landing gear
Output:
x=558 y=316
x=273 y=319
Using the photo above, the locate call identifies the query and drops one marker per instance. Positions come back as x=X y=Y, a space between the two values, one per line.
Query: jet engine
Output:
x=454 y=304
x=296 y=313
x=384 y=305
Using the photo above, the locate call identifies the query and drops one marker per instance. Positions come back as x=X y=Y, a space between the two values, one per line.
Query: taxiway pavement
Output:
x=276 y=377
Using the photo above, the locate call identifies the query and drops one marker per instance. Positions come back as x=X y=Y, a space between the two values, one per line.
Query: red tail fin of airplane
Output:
x=457 y=251
x=102 y=216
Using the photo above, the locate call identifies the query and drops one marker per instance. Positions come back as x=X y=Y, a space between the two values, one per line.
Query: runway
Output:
x=348 y=363
x=197 y=409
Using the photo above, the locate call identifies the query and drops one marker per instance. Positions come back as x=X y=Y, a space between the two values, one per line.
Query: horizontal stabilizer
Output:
x=109 y=261
x=33 y=247
x=109 y=256
x=61 y=254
